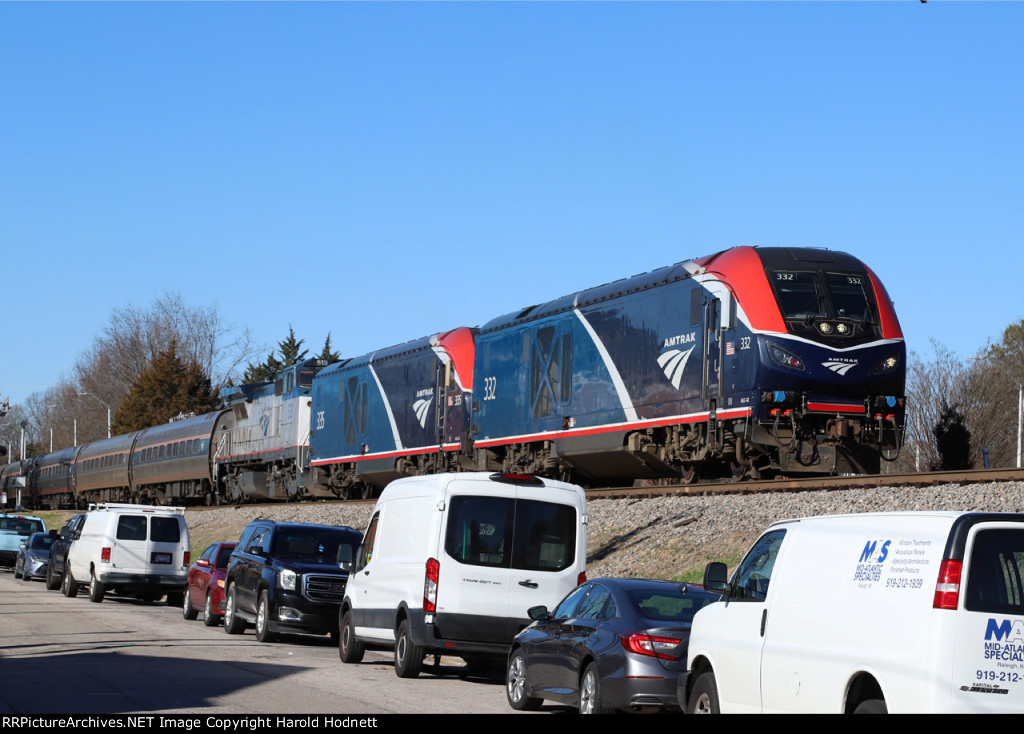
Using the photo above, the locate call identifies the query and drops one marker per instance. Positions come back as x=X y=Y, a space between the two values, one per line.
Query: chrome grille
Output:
x=324 y=588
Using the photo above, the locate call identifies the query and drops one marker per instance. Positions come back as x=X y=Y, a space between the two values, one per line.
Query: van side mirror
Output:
x=345 y=557
x=716 y=577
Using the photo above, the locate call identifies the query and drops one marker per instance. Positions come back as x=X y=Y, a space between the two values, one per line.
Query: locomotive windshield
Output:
x=805 y=295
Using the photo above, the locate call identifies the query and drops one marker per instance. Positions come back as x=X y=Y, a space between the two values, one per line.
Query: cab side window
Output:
x=754 y=574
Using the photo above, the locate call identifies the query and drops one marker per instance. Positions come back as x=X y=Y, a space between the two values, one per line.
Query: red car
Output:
x=205 y=589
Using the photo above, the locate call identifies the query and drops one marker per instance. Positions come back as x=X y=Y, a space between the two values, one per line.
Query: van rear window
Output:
x=162 y=529
x=995 y=581
x=503 y=532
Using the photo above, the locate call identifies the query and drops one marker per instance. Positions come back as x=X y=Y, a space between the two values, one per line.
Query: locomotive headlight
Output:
x=286 y=579
x=786 y=359
x=825 y=327
x=887 y=365
x=843 y=329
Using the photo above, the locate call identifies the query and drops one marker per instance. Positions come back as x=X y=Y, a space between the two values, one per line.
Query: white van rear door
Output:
x=550 y=549
x=475 y=547
x=988 y=642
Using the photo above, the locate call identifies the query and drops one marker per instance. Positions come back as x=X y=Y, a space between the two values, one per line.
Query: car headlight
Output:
x=286 y=579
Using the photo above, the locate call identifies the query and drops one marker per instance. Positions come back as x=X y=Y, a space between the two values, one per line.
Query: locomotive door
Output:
x=442 y=379
x=712 y=379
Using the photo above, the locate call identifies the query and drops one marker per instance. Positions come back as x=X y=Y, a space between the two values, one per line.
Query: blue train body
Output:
x=748 y=362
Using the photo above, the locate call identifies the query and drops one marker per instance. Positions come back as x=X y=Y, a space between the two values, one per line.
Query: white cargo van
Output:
x=899 y=612
x=450 y=564
x=131 y=549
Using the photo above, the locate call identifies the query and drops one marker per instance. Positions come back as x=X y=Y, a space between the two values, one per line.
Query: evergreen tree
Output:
x=291 y=352
x=167 y=387
x=953 y=441
x=327 y=354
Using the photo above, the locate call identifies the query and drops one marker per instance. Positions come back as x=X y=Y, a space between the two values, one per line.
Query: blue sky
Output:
x=383 y=171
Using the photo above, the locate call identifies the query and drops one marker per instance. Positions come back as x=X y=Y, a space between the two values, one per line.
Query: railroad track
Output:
x=810 y=484
x=782 y=484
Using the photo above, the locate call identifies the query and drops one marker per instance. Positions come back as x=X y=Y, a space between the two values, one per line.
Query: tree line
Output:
x=145 y=367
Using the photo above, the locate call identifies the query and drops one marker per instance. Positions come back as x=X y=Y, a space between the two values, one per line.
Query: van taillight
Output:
x=581 y=579
x=430 y=586
x=105 y=555
x=947 y=588
x=188 y=557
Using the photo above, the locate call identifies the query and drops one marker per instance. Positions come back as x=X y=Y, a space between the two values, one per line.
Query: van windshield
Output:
x=995 y=580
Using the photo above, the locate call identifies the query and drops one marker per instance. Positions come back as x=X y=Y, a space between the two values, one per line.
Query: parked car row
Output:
x=869 y=613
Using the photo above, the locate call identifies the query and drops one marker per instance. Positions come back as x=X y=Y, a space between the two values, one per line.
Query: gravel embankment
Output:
x=667 y=537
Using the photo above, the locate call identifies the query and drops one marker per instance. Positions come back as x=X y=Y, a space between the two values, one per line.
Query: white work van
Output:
x=450 y=564
x=129 y=549
x=900 y=612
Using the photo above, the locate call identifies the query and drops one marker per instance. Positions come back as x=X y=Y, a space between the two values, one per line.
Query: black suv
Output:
x=285 y=577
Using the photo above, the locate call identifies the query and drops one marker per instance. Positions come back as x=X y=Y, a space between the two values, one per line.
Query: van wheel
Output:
x=704 y=697
x=872 y=706
x=408 y=656
x=96 y=589
x=68 y=585
x=210 y=618
x=263 y=633
x=515 y=685
x=350 y=649
x=232 y=624
x=590 y=692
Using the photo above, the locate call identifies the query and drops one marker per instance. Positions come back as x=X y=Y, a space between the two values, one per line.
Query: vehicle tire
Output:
x=96 y=589
x=52 y=583
x=17 y=574
x=350 y=649
x=210 y=617
x=704 y=696
x=872 y=706
x=590 y=692
x=25 y=576
x=263 y=633
x=232 y=624
x=188 y=612
x=408 y=656
x=176 y=599
x=68 y=585
x=515 y=684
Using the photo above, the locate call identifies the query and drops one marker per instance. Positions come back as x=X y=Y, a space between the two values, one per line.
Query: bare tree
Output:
x=931 y=386
x=134 y=337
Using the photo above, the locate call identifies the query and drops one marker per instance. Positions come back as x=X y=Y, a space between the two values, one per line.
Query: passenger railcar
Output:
x=52 y=476
x=174 y=461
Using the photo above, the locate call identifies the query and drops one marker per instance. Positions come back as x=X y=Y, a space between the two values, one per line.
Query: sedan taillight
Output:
x=656 y=647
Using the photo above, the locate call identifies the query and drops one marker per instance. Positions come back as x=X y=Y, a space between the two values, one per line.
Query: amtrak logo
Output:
x=673 y=362
x=421 y=408
x=840 y=368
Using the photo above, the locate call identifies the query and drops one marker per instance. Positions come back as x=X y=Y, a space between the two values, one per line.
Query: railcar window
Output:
x=305 y=378
x=800 y=293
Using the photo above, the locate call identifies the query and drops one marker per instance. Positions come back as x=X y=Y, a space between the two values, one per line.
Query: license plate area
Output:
x=165 y=558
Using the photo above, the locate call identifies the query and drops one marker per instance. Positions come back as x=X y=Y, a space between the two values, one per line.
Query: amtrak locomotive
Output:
x=749 y=362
